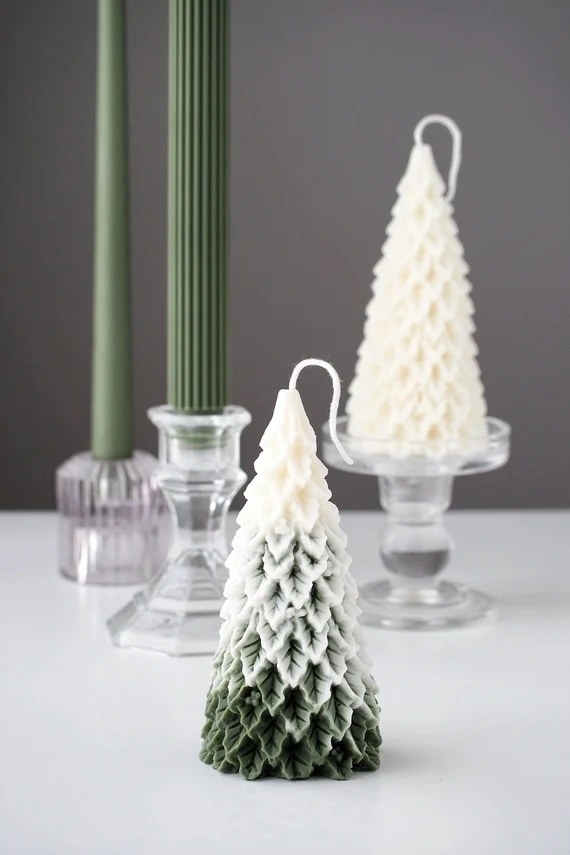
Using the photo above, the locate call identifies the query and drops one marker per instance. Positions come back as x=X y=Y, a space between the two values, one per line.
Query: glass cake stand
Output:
x=415 y=491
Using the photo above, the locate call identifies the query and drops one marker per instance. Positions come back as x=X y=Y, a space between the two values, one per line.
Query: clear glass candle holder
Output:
x=114 y=523
x=199 y=472
x=416 y=484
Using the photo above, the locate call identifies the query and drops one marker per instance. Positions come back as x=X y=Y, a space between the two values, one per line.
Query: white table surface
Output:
x=99 y=747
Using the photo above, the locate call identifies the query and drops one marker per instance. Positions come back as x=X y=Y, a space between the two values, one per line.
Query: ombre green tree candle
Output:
x=197 y=205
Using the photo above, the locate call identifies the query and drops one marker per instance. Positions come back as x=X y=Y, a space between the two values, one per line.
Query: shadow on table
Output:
x=395 y=760
x=539 y=605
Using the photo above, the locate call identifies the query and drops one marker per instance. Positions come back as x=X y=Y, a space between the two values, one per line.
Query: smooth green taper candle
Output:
x=197 y=205
x=111 y=413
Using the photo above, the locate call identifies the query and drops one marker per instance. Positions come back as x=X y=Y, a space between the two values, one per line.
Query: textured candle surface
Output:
x=111 y=412
x=417 y=377
x=292 y=694
x=197 y=228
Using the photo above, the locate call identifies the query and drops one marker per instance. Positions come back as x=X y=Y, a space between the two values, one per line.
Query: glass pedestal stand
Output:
x=199 y=472
x=415 y=492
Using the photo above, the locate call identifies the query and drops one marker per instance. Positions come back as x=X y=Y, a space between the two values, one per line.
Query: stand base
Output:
x=178 y=613
x=444 y=606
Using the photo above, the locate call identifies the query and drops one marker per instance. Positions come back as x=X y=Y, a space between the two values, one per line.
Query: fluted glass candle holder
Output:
x=415 y=491
x=199 y=472
x=114 y=523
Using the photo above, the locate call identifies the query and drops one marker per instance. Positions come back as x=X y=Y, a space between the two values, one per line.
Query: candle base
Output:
x=178 y=613
x=415 y=492
x=114 y=524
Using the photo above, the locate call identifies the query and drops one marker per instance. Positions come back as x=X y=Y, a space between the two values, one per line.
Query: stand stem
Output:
x=416 y=546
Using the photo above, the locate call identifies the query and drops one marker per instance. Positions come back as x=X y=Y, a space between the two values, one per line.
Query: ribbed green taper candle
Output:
x=197 y=209
x=111 y=412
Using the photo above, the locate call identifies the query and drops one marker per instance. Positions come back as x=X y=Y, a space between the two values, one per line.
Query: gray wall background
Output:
x=325 y=95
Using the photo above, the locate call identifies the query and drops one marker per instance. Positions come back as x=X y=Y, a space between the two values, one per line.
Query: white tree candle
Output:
x=291 y=694
x=417 y=379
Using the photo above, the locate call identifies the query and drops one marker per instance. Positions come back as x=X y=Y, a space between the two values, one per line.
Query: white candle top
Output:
x=290 y=487
x=290 y=484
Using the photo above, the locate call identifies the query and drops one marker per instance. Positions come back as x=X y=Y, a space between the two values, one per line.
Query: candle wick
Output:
x=437 y=118
x=335 y=400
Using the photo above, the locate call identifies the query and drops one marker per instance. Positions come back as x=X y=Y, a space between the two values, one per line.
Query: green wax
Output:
x=198 y=205
x=111 y=412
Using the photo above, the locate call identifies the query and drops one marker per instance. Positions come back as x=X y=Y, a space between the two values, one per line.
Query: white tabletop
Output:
x=99 y=747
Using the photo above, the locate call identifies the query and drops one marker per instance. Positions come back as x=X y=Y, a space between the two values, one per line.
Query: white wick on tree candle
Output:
x=292 y=694
x=417 y=379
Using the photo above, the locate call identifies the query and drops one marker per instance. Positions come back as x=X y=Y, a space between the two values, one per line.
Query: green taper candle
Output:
x=197 y=205
x=111 y=415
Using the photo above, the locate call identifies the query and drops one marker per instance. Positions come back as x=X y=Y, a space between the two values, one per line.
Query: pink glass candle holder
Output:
x=114 y=524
